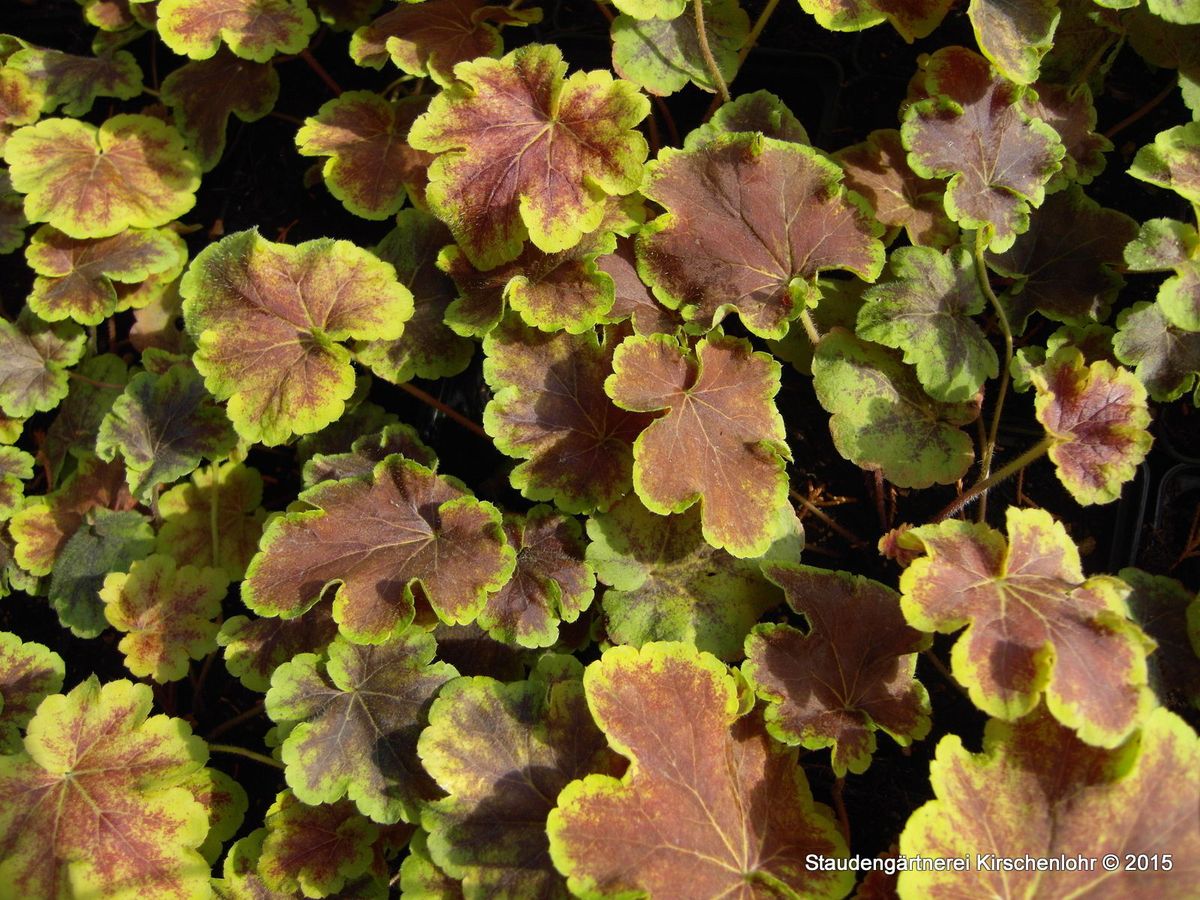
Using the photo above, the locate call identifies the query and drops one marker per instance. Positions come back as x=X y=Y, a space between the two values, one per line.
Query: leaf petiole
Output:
x=989 y=449
x=249 y=754
x=986 y=484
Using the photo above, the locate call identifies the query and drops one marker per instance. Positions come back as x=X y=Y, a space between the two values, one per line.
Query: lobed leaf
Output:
x=1167 y=245
x=758 y=111
x=1071 y=113
x=911 y=18
x=34 y=358
x=1015 y=36
x=12 y=211
x=29 y=672
x=1172 y=161
x=663 y=55
x=366 y=452
x=75 y=82
x=1166 y=359
x=16 y=467
x=254 y=648
x=632 y=299
x=1164 y=607
x=252 y=29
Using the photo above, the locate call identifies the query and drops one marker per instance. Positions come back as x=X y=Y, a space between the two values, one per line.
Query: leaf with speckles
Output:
x=29 y=672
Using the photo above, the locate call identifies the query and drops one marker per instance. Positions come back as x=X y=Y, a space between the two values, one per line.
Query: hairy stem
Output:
x=706 y=51
x=989 y=449
x=984 y=485
x=751 y=41
x=810 y=328
x=449 y=412
x=249 y=754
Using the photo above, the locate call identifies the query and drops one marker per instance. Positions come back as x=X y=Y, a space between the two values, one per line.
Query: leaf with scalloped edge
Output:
x=16 y=467
x=226 y=803
x=1071 y=113
x=878 y=169
x=187 y=518
x=1096 y=418
x=401 y=535
x=99 y=382
x=502 y=752
x=254 y=648
x=550 y=584
x=45 y=524
x=242 y=880
x=431 y=38
x=1036 y=791
x=343 y=15
x=665 y=582
x=1093 y=341
x=252 y=29
x=758 y=111
x=428 y=348
x=20 y=101
x=1172 y=161
x=203 y=95
x=651 y=9
x=632 y=299
x=1166 y=359
x=850 y=673
x=1035 y=625
x=720 y=439
x=29 y=672
x=132 y=172
x=108 y=15
x=882 y=418
x=550 y=410
x=971 y=128
x=564 y=146
x=34 y=358
x=12 y=210
x=75 y=82
x=1064 y=264
x=421 y=879
x=77 y=278
x=1165 y=245
x=366 y=452
x=925 y=312
x=709 y=799
x=166 y=614
x=663 y=55
x=750 y=223
x=1162 y=606
x=96 y=806
x=370 y=165
x=269 y=318
x=357 y=712
x=1015 y=36
x=10 y=429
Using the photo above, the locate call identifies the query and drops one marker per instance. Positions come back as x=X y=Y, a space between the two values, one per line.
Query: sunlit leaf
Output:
x=758 y=111
x=34 y=358
x=16 y=467
x=1172 y=161
x=632 y=299
x=252 y=29
x=75 y=82
x=663 y=55
x=29 y=672
x=1015 y=36
x=912 y=18
x=1170 y=246
x=366 y=452
x=254 y=648
x=1166 y=359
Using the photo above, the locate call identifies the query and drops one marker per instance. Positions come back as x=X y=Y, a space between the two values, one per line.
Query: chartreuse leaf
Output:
x=1167 y=245
x=720 y=439
x=166 y=613
x=1172 y=161
x=1096 y=417
x=913 y=19
x=12 y=210
x=503 y=752
x=1166 y=358
x=421 y=879
x=355 y=714
x=252 y=29
x=131 y=172
x=34 y=358
x=849 y=674
x=709 y=800
x=163 y=426
x=109 y=542
x=77 y=277
x=10 y=428
x=564 y=146
x=226 y=802
x=971 y=128
x=751 y=221
x=1037 y=790
x=664 y=55
x=366 y=452
x=1015 y=36
x=16 y=467
x=549 y=409
x=651 y=9
x=1163 y=608
x=204 y=94
x=386 y=540
x=665 y=582
x=550 y=584
x=74 y=82
x=20 y=101
x=188 y=517
x=269 y=318
x=882 y=419
x=29 y=673
x=427 y=348
x=1034 y=624
x=925 y=312
x=759 y=111
x=431 y=38
x=243 y=880
x=96 y=803
x=370 y=164
x=254 y=648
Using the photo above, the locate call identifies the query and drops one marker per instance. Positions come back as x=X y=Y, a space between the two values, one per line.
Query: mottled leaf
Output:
x=1096 y=418
x=971 y=128
x=549 y=409
x=358 y=712
x=651 y=9
x=366 y=452
x=29 y=672
x=709 y=800
x=421 y=879
x=1162 y=607
x=385 y=541
x=758 y=111
x=847 y=675
x=1172 y=161
x=1166 y=245
x=564 y=145
x=632 y=299
x=1166 y=359
x=78 y=419
x=1070 y=112
x=750 y=223
x=925 y=312
x=314 y=850
x=12 y=211
x=1034 y=624
x=1093 y=341
x=1015 y=36
x=882 y=419
x=74 y=82
x=226 y=803
x=912 y=18
x=254 y=648
x=34 y=358
x=20 y=102
x=663 y=55
x=16 y=467
x=252 y=29
x=269 y=318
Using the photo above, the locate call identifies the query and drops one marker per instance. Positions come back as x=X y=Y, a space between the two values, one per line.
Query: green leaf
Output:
x=564 y=145
x=357 y=712
x=1167 y=245
x=1015 y=36
x=421 y=879
x=163 y=426
x=684 y=814
x=269 y=319
x=387 y=540
x=166 y=614
x=110 y=542
x=252 y=29
x=651 y=9
x=75 y=82
x=758 y=111
x=96 y=805
x=925 y=312
x=226 y=802
x=29 y=673
x=663 y=55
x=1034 y=624
x=883 y=420
x=502 y=752
x=750 y=223
x=16 y=467
x=1172 y=161
x=34 y=358
x=1166 y=358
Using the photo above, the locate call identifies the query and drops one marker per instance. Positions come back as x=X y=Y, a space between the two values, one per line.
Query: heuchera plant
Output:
x=444 y=446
